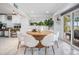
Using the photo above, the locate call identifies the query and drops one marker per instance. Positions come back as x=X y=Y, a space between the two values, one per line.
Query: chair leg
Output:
x=48 y=46
x=18 y=45
x=57 y=45
x=32 y=50
x=39 y=49
x=45 y=50
x=53 y=49
x=25 y=51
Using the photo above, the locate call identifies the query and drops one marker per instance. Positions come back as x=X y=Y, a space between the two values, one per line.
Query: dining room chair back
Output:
x=56 y=36
x=28 y=41
x=47 y=42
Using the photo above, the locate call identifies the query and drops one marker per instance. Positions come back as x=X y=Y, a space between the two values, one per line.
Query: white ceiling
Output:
x=35 y=8
x=5 y=8
x=42 y=8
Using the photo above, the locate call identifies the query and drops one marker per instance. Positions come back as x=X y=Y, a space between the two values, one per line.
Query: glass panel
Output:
x=67 y=28
x=76 y=28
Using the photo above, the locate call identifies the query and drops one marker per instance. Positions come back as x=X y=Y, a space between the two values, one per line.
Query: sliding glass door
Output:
x=67 y=27
x=71 y=27
x=76 y=28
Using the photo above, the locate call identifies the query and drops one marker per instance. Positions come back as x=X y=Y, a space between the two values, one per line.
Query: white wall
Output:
x=3 y=18
x=24 y=24
x=23 y=20
x=16 y=19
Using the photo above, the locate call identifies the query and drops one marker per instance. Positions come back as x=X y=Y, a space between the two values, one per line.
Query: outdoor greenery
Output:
x=67 y=19
x=49 y=22
x=66 y=27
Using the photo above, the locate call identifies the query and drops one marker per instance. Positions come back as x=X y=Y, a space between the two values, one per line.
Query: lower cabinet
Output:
x=4 y=33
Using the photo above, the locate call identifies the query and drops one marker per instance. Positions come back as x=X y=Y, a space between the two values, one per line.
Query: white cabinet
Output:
x=15 y=19
x=6 y=33
x=0 y=33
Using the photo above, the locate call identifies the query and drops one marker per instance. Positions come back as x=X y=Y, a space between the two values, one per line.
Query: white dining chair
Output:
x=47 y=42
x=20 y=39
x=29 y=42
x=56 y=38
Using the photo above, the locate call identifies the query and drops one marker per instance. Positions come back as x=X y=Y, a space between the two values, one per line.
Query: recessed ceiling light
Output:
x=47 y=11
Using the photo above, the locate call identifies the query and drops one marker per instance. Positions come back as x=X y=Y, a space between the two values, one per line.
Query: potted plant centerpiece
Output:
x=46 y=23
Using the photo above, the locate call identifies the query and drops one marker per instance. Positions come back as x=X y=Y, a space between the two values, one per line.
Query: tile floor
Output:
x=8 y=47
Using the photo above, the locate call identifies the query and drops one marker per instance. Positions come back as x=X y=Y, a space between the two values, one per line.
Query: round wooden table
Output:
x=39 y=36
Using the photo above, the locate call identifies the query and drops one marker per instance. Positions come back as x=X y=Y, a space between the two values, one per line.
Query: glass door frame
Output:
x=72 y=17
